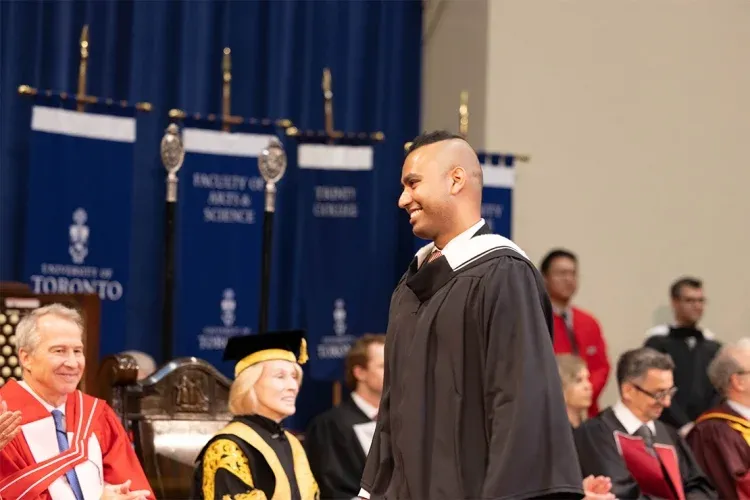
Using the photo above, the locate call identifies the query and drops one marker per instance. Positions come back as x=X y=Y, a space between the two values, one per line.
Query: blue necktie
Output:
x=62 y=443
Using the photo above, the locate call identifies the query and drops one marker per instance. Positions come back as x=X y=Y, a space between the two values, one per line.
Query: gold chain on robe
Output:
x=739 y=424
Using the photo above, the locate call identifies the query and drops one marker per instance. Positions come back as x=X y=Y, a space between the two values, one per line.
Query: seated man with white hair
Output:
x=71 y=445
x=721 y=437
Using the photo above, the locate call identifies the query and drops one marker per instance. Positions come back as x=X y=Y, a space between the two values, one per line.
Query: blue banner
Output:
x=497 y=195
x=219 y=230
x=334 y=240
x=77 y=228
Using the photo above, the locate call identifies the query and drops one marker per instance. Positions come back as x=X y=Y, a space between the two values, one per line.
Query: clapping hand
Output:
x=10 y=424
x=598 y=488
x=122 y=492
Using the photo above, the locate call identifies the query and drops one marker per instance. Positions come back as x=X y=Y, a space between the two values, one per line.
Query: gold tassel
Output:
x=303 y=352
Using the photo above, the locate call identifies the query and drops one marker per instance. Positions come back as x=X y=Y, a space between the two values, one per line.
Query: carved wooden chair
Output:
x=170 y=415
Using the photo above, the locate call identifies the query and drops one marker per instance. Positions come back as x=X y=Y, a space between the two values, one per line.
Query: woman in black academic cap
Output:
x=254 y=458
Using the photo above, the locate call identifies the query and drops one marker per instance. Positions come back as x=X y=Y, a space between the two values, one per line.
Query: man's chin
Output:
x=420 y=232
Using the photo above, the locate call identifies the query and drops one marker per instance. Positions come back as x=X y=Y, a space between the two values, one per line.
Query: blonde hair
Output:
x=242 y=397
x=569 y=366
x=27 y=331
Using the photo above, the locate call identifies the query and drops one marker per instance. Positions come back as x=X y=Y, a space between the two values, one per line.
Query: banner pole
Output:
x=226 y=93
x=172 y=155
x=83 y=67
x=81 y=97
x=272 y=165
x=463 y=114
x=327 y=87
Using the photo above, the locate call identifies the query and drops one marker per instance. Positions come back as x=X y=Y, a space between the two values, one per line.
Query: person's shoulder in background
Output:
x=662 y=330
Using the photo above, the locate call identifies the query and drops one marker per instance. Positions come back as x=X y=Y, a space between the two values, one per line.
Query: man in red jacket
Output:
x=575 y=330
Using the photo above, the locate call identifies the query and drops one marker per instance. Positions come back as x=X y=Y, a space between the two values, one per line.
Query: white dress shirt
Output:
x=46 y=405
x=370 y=411
x=743 y=410
x=628 y=419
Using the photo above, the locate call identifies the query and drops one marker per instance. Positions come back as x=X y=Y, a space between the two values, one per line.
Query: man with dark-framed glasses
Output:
x=643 y=457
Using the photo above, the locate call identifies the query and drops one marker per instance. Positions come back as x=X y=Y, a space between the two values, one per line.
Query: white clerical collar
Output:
x=370 y=411
x=48 y=406
x=743 y=410
x=628 y=419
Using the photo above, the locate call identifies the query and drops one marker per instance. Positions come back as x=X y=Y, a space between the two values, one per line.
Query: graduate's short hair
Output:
x=725 y=364
x=634 y=364
x=358 y=355
x=428 y=138
x=556 y=254
x=27 y=331
x=243 y=399
x=686 y=281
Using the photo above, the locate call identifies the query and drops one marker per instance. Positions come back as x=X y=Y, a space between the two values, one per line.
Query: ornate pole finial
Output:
x=83 y=66
x=172 y=156
x=227 y=88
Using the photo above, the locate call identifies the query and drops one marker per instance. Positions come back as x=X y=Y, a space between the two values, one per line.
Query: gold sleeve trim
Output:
x=224 y=454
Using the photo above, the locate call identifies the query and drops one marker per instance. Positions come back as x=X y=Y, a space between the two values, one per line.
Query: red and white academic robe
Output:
x=31 y=466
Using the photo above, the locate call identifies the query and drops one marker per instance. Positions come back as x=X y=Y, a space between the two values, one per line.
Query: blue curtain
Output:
x=169 y=53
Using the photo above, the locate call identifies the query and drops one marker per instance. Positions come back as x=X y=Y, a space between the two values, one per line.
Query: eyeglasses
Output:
x=693 y=300
x=658 y=396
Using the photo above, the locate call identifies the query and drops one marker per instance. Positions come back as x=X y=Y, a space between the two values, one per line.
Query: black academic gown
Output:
x=336 y=456
x=695 y=392
x=598 y=454
x=472 y=406
x=234 y=466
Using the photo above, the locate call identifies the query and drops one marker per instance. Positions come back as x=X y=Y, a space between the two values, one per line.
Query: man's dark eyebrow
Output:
x=410 y=177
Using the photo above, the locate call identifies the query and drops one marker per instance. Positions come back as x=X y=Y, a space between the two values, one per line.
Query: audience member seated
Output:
x=576 y=387
x=642 y=456
x=692 y=352
x=146 y=363
x=337 y=441
x=71 y=445
x=575 y=331
x=10 y=424
x=721 y=437
x=254 y=457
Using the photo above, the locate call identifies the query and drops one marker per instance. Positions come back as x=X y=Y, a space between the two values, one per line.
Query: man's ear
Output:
x=357 y=372
x=626 y=391
x=458 y=179
x=23 y=358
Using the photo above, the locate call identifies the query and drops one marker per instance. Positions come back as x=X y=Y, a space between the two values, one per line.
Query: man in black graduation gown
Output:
x=472 y=404
x=643 y=457
x=338 y=440
x=692 y=352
